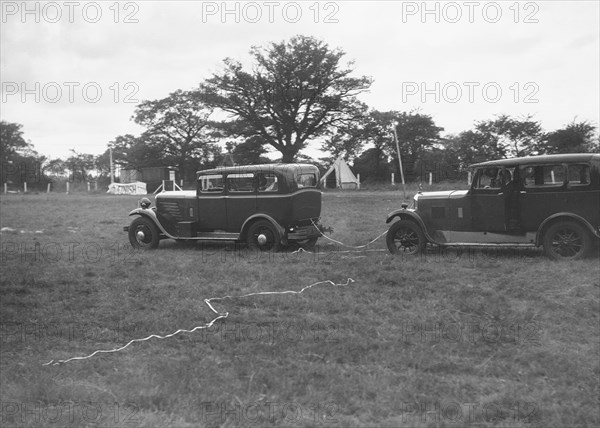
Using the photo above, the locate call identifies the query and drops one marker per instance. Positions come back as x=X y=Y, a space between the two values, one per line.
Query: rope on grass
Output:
x=220 y=316
x=346 y=245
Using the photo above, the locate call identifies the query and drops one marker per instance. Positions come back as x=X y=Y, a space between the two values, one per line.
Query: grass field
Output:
x=494 y=338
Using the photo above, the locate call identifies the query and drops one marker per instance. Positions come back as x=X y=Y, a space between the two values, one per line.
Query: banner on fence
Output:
x=137 y=188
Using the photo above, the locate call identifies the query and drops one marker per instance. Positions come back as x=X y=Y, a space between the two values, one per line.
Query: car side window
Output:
x=488 y=178
x=237 y=183
x=579 y=175
x=307 y=180
x=211 y=183
x=267 y=182
x=543 y=176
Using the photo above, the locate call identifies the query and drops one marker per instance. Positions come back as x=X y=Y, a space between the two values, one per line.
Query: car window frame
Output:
x=216 y=191
x=240 y=192
x=544 y=188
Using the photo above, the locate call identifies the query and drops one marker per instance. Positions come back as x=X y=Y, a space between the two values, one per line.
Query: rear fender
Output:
x=563 y=216
x=270 y=219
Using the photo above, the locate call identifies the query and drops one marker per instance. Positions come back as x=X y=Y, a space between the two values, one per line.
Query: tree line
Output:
x=295 y=92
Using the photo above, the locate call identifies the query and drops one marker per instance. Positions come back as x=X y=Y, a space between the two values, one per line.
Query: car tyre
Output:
x=567 y=240
x=143 y=234
x=405 y=237
x=263 y=236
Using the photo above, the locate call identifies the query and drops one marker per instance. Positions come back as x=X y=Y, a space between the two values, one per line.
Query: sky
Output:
x=72 y=72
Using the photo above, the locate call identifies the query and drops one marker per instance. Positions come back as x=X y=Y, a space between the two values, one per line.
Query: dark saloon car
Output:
x=551 y=201
x=266 y=206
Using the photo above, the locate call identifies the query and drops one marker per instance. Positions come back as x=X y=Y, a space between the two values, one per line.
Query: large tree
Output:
x=136 y=152
x=576 y=137
x=417 y=133
x=512 y=137
x=12 y=141
x=19 y=162
x=296 y=90
x=178 y=125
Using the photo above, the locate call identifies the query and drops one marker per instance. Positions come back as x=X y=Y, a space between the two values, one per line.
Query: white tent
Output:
x=137 y=188
x=340 y=176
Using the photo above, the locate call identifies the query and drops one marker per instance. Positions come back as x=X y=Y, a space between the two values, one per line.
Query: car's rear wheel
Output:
x=263 y=236
x=143 y=234
x=567 y=240
x=405 y=237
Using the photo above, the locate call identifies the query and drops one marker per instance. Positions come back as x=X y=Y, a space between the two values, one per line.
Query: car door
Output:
x=212 y=203
x=488 y=201
x=545 y=193
x=241 y=199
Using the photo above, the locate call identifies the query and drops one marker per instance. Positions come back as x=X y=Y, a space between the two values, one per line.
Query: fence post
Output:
x=48 y=188
x=358 y=178
x=393 y=183
x=88 y=186
x=430 y=178
x=24 y=187
x=5 y=188
x=67 y=187
x=95 y=186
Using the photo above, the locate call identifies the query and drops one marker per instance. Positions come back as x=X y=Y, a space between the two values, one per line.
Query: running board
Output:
x=479 y=244
x=462 y=238
x=211 y=236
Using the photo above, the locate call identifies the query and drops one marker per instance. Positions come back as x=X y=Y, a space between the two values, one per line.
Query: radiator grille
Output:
x=171 y=208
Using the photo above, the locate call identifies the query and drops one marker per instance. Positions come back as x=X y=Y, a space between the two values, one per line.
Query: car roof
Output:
x=275 y=167
x=542 y=159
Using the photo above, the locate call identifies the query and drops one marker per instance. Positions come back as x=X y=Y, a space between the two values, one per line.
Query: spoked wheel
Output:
x=263 y=236
x=143 y=234
x=566 y=240
x=405 y=237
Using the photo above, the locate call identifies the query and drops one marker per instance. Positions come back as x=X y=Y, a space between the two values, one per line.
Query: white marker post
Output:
x=48 y=188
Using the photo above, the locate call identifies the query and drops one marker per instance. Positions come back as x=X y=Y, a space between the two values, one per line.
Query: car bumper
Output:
x=303 y=232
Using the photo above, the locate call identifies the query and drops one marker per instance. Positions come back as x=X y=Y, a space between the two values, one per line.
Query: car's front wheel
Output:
x=567 y=240
x=143 y=234
x=405 y=237
x=263 y=236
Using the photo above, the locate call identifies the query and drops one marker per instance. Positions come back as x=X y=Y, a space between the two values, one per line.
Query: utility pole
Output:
x=112 y=177
x=399 y=159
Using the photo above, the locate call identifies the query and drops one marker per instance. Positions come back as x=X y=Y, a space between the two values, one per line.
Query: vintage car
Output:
x=266 y=206
x=549 y=200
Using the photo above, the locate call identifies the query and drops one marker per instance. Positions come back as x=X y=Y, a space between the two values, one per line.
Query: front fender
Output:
x=151 y=215
x=405 y=214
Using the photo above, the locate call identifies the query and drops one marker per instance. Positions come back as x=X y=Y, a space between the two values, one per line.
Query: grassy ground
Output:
x=470 y=339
